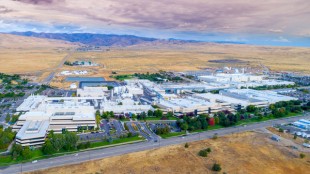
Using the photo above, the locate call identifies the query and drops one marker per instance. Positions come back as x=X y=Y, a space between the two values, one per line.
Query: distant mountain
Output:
x=101 y=39
x=91 y=39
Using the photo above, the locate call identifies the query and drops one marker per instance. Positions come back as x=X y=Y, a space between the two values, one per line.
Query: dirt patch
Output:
x=228 y=61
x=247 y=152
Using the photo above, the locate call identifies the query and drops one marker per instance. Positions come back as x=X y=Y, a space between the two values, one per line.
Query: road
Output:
x=49 y=78
x=129 y=148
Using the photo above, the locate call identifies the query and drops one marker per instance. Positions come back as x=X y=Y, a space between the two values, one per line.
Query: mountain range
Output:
x=106 y=39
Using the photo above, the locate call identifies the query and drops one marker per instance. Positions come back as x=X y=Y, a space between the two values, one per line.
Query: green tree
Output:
x=7 y=118
x=26 y=153
x=48 y=148
x=216 y=120
x=184 y=126
x=134 y=116
x=58 y=141
x=158 y=113
x=16 y=151
x=71 y=140
x=251 y=108
x=14 y=118
x=216 y=167
x=150 y=113
x=169 y=114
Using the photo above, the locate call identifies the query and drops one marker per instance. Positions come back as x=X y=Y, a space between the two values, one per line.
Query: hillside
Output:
x=19 y=54
x=9 y=41
x=241 y=153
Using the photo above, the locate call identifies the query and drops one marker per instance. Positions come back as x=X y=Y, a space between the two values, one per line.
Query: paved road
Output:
x=124 y=149
x=49 y=78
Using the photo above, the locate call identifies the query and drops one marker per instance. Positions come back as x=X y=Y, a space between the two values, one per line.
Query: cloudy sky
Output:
x=264 y=22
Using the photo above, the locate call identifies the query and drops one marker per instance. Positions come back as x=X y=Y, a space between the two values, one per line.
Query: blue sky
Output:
x=270 y=22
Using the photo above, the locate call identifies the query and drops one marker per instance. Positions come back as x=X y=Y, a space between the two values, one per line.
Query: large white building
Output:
x=240 y=80
x=52 y=114
x=270 y=97
x=192 y=104
x=221 y=77
x=92 y=92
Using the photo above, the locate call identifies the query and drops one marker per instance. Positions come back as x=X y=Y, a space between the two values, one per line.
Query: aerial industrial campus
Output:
x=153 y=108
x=41 y=114
x=136 y=87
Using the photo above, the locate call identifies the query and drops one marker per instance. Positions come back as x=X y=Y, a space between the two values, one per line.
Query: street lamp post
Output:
x=21 y=167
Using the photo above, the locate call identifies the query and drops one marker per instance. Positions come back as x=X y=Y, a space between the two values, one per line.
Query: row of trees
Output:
x=193 y=123
x=152 y=77
x=7 y=78
x=265 y=87
x=226 y=118
x=11 y=95
x=18 y=151
x=68 y=63
x=12 y=120
x=60 y=142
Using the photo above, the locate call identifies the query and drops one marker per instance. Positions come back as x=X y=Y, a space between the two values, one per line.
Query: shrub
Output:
x=216 y=167
x=203 y=153
x=214 y=137
x=208 y=149
x=302 y=155
x=186 y=145
x=281 y=130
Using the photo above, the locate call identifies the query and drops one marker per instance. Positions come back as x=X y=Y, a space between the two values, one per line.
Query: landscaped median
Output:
x=37 y=154
x=173 y=134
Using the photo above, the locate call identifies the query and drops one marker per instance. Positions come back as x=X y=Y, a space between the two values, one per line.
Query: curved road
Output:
x=129 y=148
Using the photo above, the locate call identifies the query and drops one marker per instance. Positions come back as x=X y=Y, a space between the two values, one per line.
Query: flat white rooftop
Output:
x=33 y=129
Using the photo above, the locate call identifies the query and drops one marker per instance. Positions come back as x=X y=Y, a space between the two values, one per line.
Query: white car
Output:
x=306 y=145
x=35 y=161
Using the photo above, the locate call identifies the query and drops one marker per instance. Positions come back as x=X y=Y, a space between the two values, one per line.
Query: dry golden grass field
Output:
x=29 y=55
x=38 y=57
x=243 y=153
x=183 y=57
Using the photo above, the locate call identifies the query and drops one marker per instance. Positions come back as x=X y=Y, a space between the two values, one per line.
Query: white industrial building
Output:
x=221 y=77
x=52 y=114
x=240 y=80
x=261 y=95
x=42 y=114
x=234 y=102
x=192 y=104
x=92 y=92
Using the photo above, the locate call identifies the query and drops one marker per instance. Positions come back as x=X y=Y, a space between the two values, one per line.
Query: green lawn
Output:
x=172 y=134
x=2 y=150
x=7 y=160
x=255 y=120
x=123 y=77
x=215 y=127
x=117 y=141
